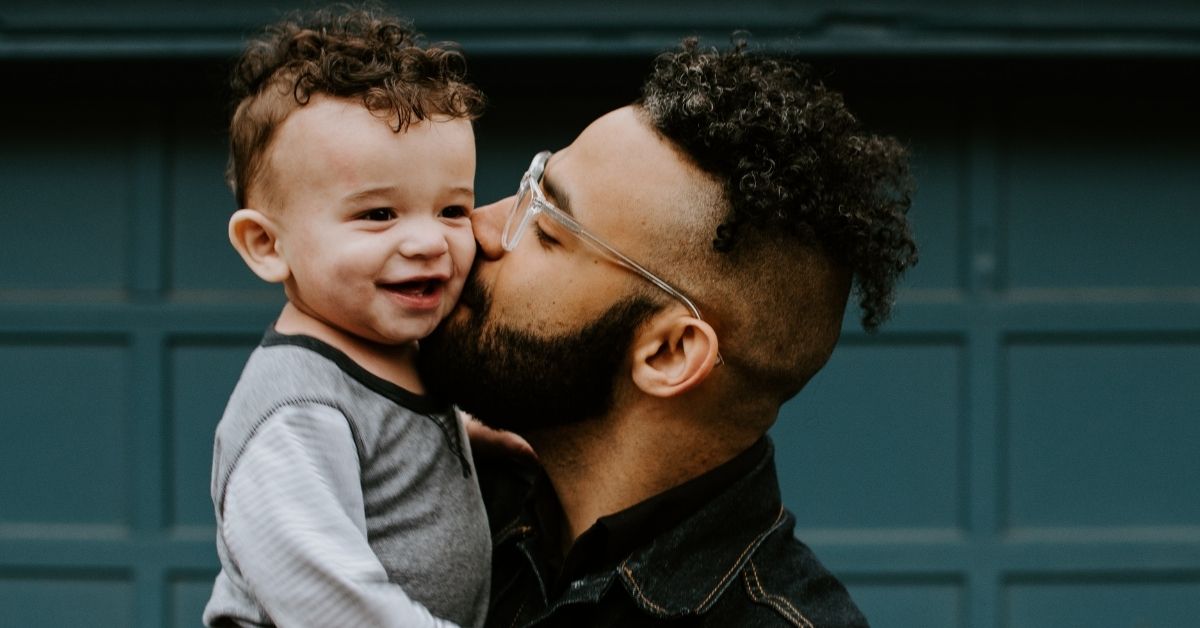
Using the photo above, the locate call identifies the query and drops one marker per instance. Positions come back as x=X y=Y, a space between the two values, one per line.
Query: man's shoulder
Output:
x=783 y=583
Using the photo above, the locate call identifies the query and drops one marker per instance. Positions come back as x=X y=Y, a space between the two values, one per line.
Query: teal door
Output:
x=1018 y=447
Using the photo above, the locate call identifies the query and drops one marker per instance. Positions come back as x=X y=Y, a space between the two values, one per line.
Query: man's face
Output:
x=542 y=332
x=374 y=225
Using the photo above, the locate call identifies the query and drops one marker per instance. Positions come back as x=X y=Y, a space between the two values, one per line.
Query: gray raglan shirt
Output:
x=342 y=499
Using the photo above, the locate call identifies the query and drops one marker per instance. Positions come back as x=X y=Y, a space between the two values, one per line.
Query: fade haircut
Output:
x=352 y=53
x=808 y=204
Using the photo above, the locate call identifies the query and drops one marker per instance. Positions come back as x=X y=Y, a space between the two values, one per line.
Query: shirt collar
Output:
x=614 y=537
x=685 y=570
x=677 y=566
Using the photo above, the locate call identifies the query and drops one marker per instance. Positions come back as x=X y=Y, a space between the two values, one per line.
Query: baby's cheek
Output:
x=462 y=247
x=453 y=292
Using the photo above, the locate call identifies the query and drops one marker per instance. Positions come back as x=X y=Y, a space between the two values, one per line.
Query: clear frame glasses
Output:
x=531 y=201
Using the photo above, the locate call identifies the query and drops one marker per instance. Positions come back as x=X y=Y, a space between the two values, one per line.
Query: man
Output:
x=639 y=312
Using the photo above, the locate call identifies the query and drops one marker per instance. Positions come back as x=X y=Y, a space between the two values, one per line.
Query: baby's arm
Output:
x=295 y=527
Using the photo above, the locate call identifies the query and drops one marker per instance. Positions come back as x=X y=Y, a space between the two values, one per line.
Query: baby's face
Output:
x=374 y=225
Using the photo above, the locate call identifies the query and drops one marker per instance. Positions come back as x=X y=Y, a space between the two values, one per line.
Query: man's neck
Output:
x=394 y=363
x=599 y=468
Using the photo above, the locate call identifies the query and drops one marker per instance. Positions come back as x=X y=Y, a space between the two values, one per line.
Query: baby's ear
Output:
x=254 y=235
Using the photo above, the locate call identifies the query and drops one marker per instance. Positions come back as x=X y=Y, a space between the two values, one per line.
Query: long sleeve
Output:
x=294 y=524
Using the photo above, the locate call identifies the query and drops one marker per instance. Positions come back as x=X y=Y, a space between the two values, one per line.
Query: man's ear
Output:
x=254 y=236
x=672 y=354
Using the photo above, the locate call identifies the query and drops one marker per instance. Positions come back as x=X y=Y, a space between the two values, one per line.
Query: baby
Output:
x=344 y=496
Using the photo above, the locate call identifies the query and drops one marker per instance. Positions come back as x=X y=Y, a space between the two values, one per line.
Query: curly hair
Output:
x=791 y=158
x=353 y=53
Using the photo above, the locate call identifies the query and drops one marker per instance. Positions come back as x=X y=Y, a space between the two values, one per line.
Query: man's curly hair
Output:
x=792 y=160
x=353 y=53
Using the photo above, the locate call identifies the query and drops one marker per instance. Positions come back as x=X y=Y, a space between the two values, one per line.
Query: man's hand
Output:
x=489 y=442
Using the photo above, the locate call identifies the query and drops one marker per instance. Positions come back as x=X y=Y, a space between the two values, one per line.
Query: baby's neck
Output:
x=394 y=363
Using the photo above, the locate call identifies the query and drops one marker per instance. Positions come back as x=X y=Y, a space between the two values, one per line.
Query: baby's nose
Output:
x=428 y=241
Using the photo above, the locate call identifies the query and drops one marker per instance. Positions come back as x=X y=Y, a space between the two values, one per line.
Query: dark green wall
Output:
x=1017 y=448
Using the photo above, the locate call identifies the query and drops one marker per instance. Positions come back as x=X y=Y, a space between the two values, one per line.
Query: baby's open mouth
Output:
x=423 y=287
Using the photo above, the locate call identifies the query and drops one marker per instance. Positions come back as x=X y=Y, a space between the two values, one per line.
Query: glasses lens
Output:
x=518 y=217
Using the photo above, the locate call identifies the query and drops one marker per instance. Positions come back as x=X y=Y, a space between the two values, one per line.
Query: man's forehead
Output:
x=622 y=133
x=617 y=160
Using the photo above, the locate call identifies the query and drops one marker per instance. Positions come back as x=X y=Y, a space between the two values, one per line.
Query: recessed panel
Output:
x=905 y=604
x=1132 y=603
x=188 y=596
x=1103 y=433
x=203 y=374
x=67 y=172
x=53 y=601
x=201 y=257
x=1102 y=191
x=873 y=441
x=64 y=439
x=933 y=128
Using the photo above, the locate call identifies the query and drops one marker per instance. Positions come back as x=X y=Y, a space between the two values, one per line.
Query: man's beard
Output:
x=515 y=380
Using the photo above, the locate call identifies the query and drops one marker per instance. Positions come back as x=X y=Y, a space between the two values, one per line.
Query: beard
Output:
x=515 y=380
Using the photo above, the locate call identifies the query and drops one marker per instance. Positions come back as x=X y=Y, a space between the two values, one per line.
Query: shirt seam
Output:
x=721 y=585
x=417 y=404
x=782 y=605
x=273 y=411
x=397 y=394
x=737 y=564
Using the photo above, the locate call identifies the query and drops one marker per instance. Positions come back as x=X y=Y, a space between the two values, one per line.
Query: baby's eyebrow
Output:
x=386 y=190
x=462 y=189
x=372 y=193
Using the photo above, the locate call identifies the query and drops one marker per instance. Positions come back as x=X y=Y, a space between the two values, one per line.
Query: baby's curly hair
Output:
x=344 y=52
x=792 y=160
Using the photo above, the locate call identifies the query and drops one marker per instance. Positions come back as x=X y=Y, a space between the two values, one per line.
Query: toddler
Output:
x=344 y=495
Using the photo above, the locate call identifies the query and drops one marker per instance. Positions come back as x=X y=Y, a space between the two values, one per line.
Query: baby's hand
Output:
x=493 y=443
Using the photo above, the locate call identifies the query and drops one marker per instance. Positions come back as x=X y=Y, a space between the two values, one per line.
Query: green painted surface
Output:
x=1017 y=448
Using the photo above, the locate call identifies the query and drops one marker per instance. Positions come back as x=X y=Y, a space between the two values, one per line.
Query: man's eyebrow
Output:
x=556 y=194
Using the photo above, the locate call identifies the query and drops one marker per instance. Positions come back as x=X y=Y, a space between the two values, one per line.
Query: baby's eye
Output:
x=454 y=211
x=380 y=214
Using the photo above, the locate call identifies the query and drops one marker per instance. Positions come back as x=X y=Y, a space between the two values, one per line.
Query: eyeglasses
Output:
x=531 y=202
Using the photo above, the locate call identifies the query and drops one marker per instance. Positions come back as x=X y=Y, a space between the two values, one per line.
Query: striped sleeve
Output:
x=294 y=524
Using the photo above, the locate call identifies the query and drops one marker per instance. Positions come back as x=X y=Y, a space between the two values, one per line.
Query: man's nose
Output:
x=488 y=223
